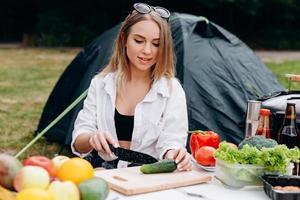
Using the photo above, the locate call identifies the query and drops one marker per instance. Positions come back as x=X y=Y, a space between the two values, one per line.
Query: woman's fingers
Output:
x=185 y=163
x=100 y=141
x=183 y=160
x=180 y=155
x=171 y=154
x=110 y=140
x=104 y=143
x=95 y=143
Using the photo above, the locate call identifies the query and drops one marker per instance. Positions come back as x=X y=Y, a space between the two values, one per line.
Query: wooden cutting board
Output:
x=130 y=181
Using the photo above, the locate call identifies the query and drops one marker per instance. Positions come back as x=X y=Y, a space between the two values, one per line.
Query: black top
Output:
x=124 y=126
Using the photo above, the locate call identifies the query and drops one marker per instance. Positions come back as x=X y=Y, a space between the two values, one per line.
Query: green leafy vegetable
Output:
x=227 y=153
x=258 y=142
x=275 y=159
x=249 y=155
x=293 y=154
x=246 y=155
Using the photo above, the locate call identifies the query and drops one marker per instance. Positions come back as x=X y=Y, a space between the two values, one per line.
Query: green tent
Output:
x=218 y=71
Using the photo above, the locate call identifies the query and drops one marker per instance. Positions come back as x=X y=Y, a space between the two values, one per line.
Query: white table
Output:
x=213 y=190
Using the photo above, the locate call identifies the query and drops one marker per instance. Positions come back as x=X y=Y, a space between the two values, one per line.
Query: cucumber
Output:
x=163 y=166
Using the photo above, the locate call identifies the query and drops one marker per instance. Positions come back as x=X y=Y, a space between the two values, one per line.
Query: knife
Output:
x=132 y=156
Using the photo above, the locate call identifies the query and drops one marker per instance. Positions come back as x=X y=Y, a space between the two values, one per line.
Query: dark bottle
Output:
x=264 y=123
x=288 y=133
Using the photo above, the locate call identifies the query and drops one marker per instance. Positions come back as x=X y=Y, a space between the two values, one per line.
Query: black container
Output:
x=276 y=103
x=270 y=181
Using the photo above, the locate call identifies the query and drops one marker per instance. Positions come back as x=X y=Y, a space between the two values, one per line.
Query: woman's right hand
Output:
x=100 y=141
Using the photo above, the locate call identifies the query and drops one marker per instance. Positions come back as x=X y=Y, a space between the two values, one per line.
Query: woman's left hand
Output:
x=181 y=157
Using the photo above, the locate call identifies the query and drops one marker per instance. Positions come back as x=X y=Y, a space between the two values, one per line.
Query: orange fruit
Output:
x=34 y=194
x=75 y=170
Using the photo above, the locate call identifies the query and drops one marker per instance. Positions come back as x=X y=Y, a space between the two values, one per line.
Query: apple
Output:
x=9 y=167
x=31 y=177
x=66 y=190
x=59 y=160
x=41 y=161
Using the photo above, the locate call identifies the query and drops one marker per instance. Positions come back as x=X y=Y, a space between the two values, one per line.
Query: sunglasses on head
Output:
x=145 y=9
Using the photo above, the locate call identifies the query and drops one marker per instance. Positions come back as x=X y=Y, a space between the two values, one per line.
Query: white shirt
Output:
x=160 y=119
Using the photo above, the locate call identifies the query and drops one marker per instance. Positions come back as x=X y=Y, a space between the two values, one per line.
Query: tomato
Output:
x=41 y=161
x=205 y=156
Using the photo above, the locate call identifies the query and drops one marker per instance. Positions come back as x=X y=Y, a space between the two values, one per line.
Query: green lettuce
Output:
x=227 y=153
x=276 y=159
x=293 y=154
x=246 y=155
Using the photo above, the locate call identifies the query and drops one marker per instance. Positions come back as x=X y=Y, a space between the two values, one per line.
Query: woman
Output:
x=136 y=102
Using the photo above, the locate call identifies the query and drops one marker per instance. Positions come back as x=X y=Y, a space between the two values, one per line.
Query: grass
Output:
x=27 y=77
x=279 y=70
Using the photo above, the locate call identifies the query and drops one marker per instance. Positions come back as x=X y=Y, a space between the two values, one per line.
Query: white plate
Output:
x=206 y=168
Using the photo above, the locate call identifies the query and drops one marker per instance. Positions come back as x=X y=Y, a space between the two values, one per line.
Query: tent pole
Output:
x=39 y=135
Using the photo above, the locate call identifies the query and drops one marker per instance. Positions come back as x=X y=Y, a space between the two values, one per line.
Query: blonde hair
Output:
x=119 y=61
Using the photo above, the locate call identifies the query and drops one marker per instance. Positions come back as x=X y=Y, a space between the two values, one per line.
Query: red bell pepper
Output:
x=215 y=139
x=203 y=138
x=194 y=145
